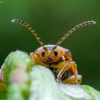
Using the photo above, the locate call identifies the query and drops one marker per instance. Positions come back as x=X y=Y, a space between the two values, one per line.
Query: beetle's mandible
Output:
x=56 y=58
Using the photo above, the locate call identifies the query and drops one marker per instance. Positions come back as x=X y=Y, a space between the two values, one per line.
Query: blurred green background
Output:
x=52 y=19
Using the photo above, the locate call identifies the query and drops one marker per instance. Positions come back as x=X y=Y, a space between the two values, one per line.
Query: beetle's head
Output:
x=49 y=53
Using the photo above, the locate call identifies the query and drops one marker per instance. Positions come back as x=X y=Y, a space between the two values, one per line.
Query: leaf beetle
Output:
x=56 y=58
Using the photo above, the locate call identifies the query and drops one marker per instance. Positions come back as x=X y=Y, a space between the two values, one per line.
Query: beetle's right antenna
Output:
x=72 y=30
x=30 y=28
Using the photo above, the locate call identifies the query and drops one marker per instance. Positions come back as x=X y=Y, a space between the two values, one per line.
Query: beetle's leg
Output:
x=59 y=66
x=66 y=67
x=71 y=79
x=74 y=72
x=74 y=78
x=73 y=68
x=36 y=60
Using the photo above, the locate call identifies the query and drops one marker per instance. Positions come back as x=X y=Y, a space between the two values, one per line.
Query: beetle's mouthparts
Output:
x=49 y=59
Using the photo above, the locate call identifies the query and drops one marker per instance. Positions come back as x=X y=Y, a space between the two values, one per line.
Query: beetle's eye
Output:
x=42 y=53
x=55 y=52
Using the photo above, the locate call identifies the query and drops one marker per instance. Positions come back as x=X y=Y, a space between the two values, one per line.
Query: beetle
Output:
x=56 y=58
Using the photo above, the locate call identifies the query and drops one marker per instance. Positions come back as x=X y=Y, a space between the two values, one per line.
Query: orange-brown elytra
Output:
x=56 y=58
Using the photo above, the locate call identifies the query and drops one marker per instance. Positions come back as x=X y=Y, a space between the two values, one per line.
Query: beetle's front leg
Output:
x=65 y=68
x=74 y=78
x=36 y=60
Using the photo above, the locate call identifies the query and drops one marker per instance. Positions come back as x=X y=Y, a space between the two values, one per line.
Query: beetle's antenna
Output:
x=31 y=29
x=72 y=30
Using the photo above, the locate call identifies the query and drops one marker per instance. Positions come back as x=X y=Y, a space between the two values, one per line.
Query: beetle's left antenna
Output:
x=30 y=28
x=72 y=30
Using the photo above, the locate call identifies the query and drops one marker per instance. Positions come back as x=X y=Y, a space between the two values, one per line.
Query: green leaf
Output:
x=15 y=74
x=44 y=86
x=15 y=60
